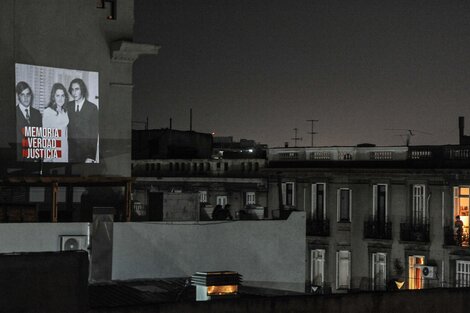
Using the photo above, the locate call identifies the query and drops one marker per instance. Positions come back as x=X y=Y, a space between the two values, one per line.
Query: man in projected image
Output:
x=26 y=115
x=83 y=125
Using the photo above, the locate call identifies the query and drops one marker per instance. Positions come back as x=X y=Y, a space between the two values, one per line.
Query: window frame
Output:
x=314 y=202
x=338 y=205
x=338 y=268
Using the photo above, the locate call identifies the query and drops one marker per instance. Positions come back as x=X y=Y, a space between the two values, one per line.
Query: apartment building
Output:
x=378 y=217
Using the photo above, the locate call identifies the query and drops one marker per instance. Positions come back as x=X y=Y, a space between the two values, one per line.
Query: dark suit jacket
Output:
x=82 y=132
x=35 y=119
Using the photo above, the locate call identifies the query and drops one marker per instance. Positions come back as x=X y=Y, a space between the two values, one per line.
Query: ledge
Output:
x=129 y=52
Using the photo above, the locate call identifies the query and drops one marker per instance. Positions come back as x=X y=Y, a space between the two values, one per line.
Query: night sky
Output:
x=257 y=69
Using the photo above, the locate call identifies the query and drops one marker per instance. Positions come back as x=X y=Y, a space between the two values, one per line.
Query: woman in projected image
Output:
x=56 y=119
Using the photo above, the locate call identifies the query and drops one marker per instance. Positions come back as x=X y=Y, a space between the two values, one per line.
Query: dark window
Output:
x=344 y=205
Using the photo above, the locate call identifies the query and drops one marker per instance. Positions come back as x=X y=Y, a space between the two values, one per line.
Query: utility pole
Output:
x=312 y=133
x=295 y=137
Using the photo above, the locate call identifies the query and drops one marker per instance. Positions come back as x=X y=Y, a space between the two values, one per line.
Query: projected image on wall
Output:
x=57 y=114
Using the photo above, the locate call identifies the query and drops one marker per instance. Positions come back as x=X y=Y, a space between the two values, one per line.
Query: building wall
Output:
x=350 y=236
x=37 y=237
x=262 y=251
x=71 y=34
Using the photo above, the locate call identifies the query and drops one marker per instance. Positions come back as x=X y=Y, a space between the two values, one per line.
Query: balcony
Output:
x=375 y=229
x=451 y=239
x=418 y=232
x=318 y=227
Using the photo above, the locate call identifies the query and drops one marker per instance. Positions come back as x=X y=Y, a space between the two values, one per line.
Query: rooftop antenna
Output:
x=312 y=133
x=295 y=137
x=409 y=133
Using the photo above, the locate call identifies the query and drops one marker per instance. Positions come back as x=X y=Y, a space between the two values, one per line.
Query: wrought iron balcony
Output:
x=318 y=227
x=410 y=231
x=375 y=229
x=452 y=239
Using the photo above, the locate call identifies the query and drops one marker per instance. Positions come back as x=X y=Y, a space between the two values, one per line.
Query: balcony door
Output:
x=415 y=275
x=380 y=203
x=318 y=201
x=461 y=209
x=379 y=271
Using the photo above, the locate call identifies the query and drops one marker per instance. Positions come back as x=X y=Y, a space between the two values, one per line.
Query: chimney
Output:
x=461 y=129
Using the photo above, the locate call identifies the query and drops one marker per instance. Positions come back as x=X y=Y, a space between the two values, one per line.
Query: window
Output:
x=317 y=267
x=462 y=273
x=250 y=198
x=318 y=201
x=379 y=271
x=344 y=204
x=222 y=200
x=225 y=166
x=203 y=196
x=343 y=269
x=379 y=202
x=419 y=204
x=415 y=277
x=288 y=193
x=461 y=208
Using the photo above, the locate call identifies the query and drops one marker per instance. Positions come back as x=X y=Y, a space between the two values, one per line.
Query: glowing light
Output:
x=222 y=290
x=399 y=284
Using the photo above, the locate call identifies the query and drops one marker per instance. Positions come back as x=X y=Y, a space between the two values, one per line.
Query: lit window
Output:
x=415 y=276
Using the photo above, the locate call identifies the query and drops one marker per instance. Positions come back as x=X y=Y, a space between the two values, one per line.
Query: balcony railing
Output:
x=410 y=231
x=375 y=229
x=452 y=239
x=318 y=227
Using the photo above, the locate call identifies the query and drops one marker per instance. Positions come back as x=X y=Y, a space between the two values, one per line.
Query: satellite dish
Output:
x=71 y=244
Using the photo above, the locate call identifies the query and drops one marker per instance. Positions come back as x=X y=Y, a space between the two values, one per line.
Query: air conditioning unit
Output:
x=428 y=271
x=73 y=242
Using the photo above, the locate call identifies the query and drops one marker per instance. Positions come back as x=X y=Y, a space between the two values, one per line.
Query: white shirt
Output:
x=80 y=104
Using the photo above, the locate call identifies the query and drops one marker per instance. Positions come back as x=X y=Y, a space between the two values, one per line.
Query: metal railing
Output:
x=318 y=227
x=375 y=229
x=410 y=231
x=451 y=238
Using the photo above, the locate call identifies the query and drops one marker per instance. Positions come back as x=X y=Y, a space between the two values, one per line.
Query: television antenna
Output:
x=312 y=133
x=295 y=137
x=408 y=133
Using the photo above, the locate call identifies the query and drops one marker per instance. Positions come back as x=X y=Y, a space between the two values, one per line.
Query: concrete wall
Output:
x=71 y=34
x=262 y=251
x=37 y=237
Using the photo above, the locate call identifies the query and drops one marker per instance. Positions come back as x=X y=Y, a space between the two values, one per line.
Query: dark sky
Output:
x=257 y=69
